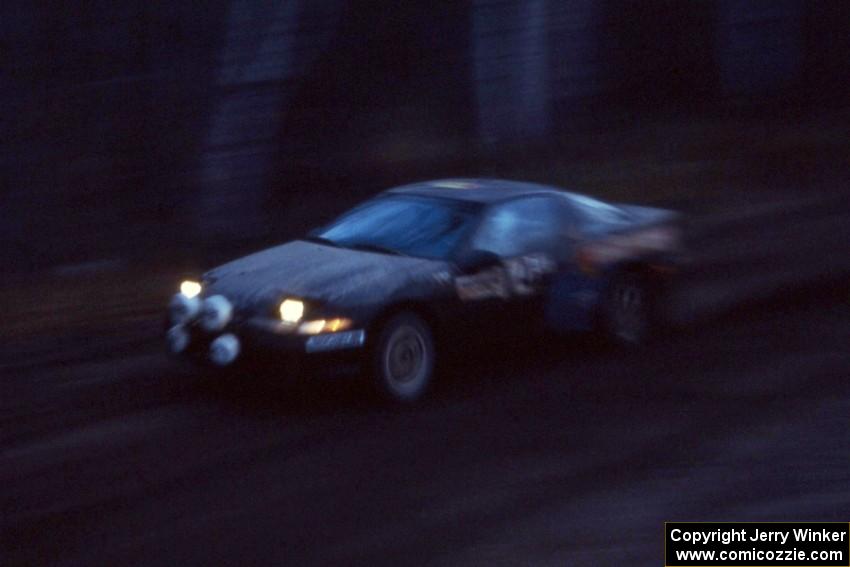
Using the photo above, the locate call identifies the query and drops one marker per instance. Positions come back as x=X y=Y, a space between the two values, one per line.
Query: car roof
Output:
x=475 y=190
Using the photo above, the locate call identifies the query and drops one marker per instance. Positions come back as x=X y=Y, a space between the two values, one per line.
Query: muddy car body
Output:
x=461 y=257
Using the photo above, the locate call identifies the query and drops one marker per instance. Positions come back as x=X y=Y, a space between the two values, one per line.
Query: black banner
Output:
x=758 y=544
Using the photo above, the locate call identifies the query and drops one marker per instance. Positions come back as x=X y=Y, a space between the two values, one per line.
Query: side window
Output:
x=519 y=227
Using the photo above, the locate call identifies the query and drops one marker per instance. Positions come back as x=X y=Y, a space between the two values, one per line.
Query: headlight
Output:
x=190 y=288
x=291 y=310
x=324 y=326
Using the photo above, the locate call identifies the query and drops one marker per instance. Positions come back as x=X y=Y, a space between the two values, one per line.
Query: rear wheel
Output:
x=403 y=358
x=628 y=316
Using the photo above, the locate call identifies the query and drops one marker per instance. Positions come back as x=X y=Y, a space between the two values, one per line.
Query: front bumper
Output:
x=258 y=337
x=271 y=335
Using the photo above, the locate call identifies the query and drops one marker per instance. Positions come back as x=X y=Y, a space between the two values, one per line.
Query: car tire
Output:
x=628 y=317
x=403 y=358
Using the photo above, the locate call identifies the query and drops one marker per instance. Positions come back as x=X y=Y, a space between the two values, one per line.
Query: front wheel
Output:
x=403 y=358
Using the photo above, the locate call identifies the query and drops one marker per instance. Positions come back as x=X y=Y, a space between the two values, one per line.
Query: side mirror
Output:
x=477 y=260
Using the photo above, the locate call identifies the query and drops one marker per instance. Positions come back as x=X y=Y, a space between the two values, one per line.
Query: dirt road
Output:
x=551 y=454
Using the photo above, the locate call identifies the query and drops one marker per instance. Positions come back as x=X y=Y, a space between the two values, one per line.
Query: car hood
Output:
x=337 y=276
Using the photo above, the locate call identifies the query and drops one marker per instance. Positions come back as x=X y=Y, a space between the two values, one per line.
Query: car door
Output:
x=529 y=238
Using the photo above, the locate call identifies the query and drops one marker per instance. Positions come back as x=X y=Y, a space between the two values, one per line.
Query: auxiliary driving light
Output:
x=224 y=350
x=177 y=339
x=215 y=313
x=182 y=309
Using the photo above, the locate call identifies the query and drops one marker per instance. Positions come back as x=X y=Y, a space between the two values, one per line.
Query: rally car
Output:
x=461 y=257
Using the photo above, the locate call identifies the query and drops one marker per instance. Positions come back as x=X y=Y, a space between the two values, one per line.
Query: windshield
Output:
x=408 y=225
